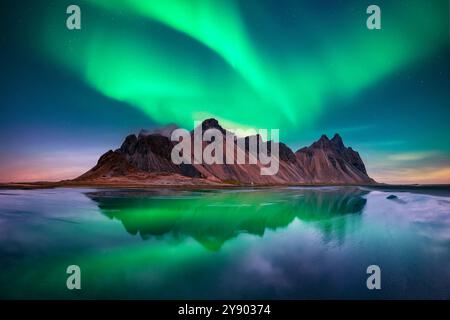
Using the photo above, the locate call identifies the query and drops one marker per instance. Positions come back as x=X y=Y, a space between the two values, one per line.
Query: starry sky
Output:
x=305 y=67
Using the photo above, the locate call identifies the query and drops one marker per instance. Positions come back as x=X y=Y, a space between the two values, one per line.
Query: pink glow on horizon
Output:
x=54 y=166
x=69 y=165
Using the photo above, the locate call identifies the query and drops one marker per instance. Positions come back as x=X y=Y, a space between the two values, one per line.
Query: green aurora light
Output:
x=186 y=60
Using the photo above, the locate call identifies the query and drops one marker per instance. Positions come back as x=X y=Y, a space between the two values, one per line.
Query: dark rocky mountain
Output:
x=330 y=161
x=212 y=124
x=326 y=161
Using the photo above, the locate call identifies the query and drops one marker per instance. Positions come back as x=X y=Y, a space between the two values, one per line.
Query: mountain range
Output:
x=146 y=159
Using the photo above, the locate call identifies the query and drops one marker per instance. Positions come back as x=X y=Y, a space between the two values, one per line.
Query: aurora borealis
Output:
x=305 y=67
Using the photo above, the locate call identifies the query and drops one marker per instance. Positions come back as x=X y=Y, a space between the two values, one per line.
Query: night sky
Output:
x=305 y=67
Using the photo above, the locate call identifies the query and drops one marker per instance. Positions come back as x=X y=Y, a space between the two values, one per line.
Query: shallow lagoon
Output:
x=283 y=243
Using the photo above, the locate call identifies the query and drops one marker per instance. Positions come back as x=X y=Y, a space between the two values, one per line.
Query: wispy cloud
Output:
x=429 y=175
x=412 y=156
x=410 y=167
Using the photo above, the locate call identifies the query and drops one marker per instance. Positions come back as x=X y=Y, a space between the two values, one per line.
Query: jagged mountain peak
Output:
x=325 y=142
x=212 y=123
x=337 y=139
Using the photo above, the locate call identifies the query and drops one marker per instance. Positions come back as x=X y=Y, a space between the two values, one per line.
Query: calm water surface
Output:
x=267 y=243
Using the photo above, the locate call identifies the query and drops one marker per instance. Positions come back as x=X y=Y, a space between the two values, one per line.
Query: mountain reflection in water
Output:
x=214 y=217
x=264 y=243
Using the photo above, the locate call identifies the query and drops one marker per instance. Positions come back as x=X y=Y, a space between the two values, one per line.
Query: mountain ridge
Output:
x=325 y=161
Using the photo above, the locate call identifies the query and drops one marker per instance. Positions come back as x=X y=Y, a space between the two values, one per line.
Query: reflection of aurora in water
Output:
x=212 y=218
x=231 y=244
